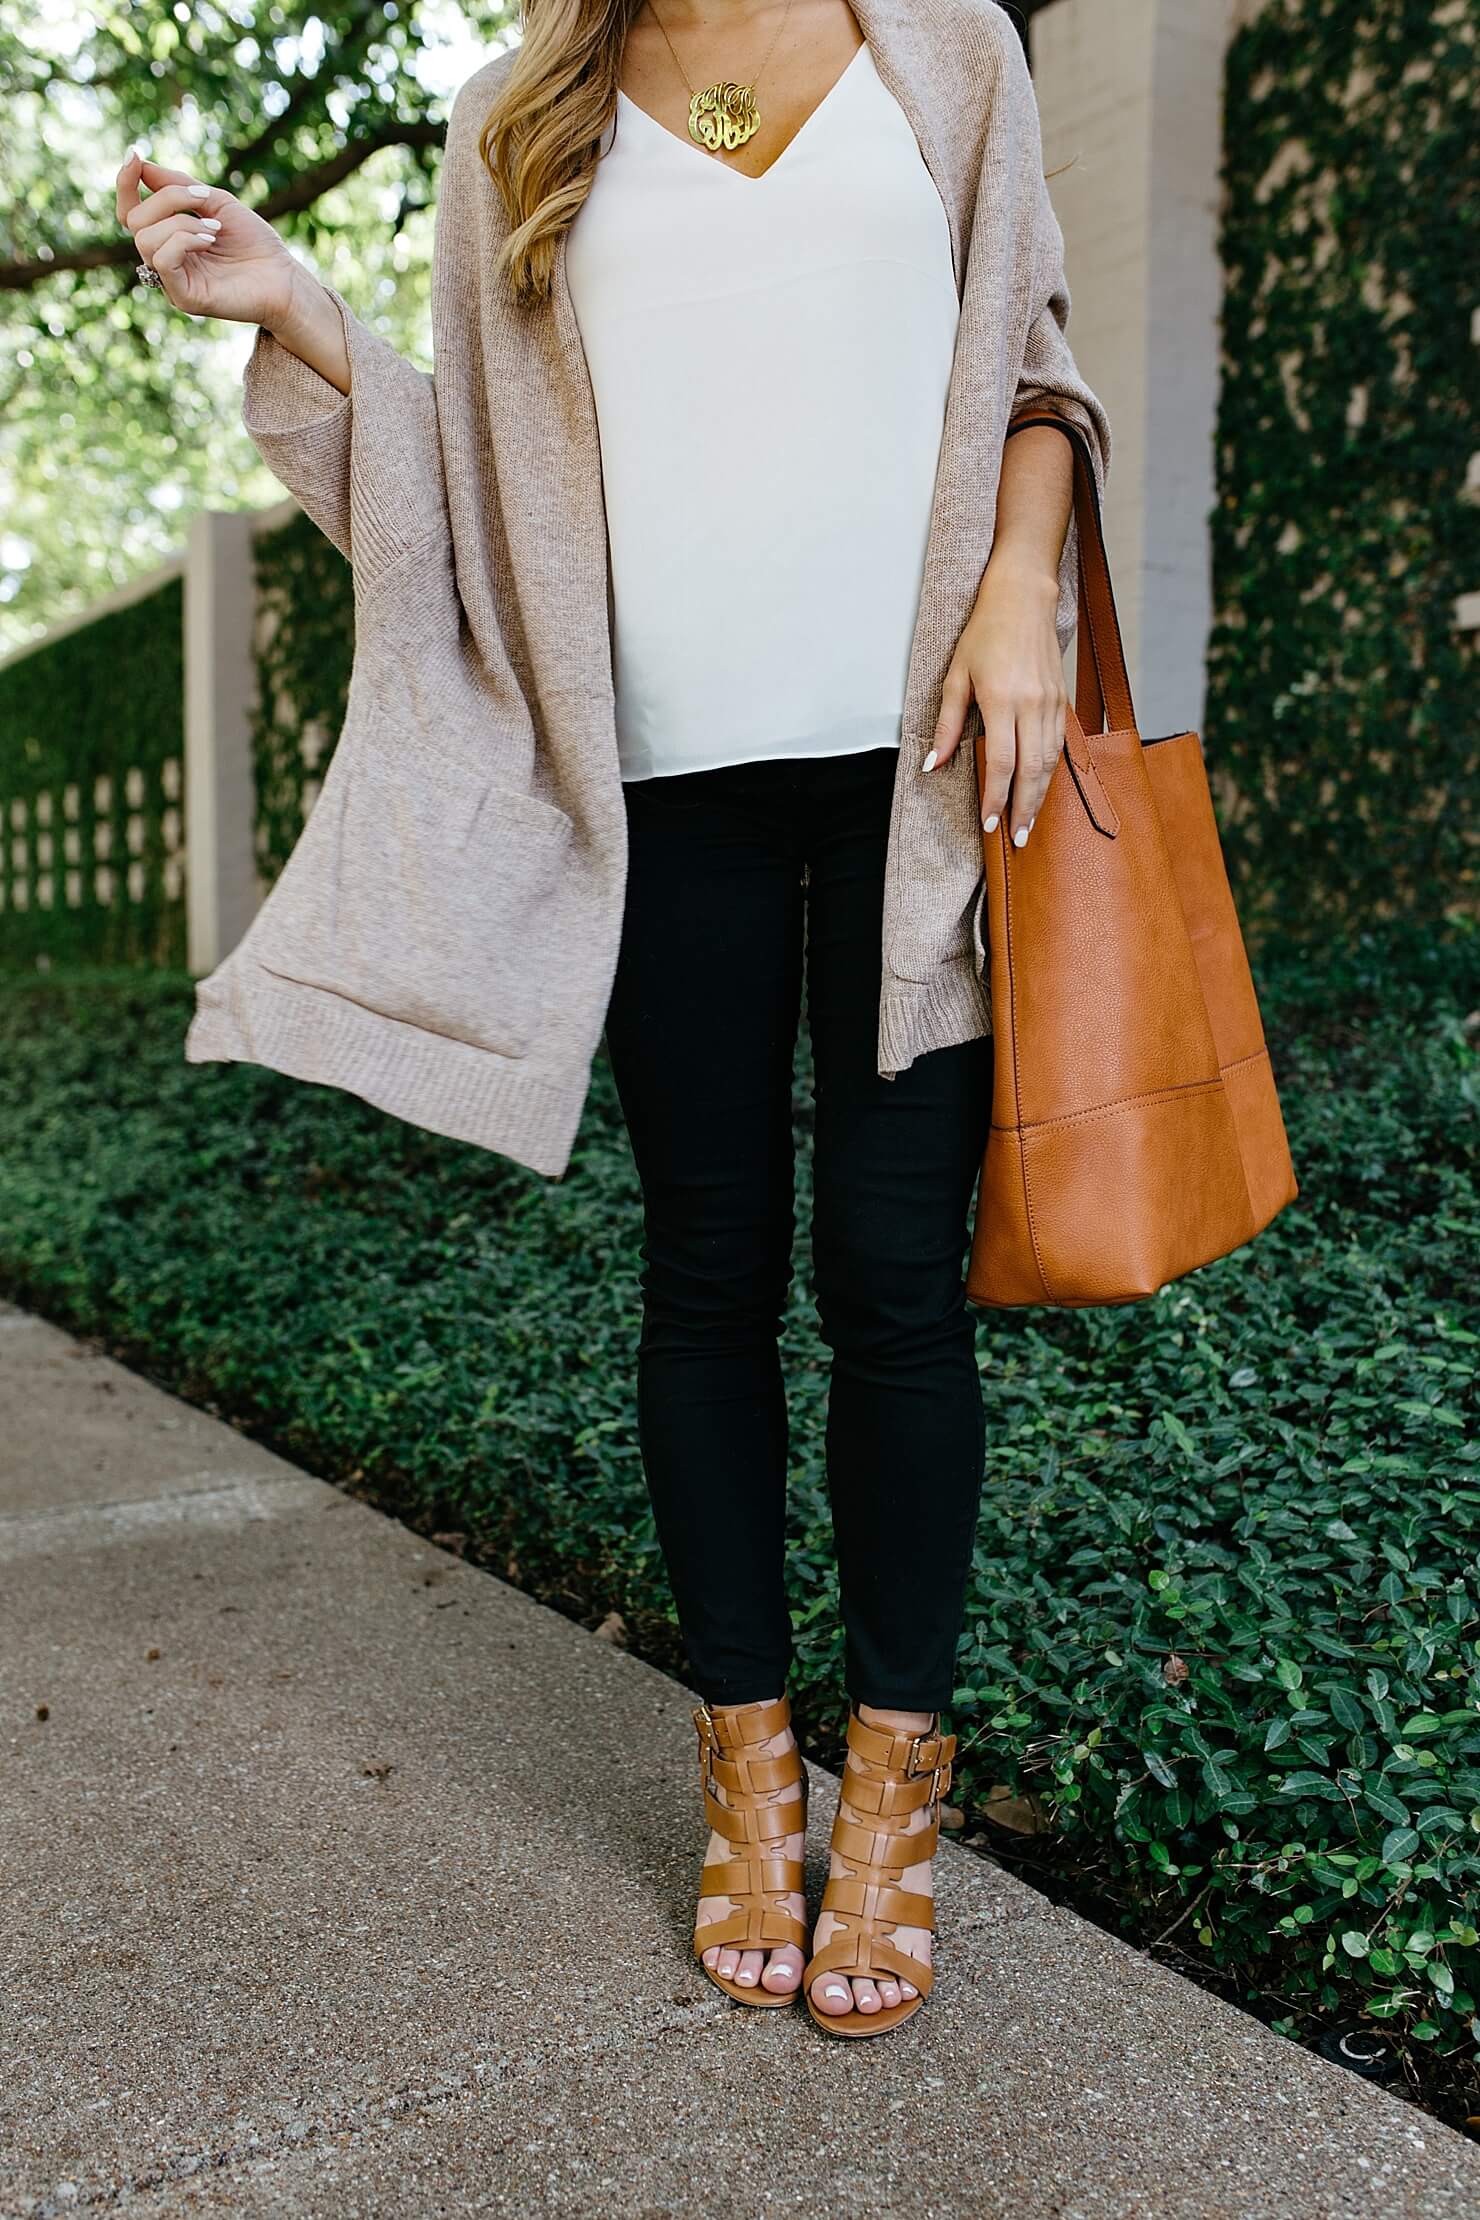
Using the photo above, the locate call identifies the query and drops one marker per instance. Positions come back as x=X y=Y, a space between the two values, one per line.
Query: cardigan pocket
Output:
x=424 y=891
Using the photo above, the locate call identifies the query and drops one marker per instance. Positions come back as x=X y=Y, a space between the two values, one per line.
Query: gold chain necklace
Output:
x=724 y=115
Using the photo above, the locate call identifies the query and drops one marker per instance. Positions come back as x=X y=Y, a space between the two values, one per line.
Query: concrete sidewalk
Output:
x=340 y=1879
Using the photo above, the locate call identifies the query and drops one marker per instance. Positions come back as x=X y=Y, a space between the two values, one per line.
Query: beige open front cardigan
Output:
x=443 y=937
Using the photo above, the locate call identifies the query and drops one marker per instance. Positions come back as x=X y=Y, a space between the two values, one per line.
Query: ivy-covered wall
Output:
x=304 y=647
x=1341 y=724
x=92 y=835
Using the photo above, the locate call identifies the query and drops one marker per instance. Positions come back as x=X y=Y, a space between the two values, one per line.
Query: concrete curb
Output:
x=341 y=1879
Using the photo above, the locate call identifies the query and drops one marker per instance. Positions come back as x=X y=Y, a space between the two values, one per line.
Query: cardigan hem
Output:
x=918 y=1015
x=443 y=1085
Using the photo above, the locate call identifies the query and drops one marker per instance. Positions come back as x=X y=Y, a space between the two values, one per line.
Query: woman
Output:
x=755 y=287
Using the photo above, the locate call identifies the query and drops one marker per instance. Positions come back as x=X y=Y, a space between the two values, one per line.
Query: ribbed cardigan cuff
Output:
x=302 y=428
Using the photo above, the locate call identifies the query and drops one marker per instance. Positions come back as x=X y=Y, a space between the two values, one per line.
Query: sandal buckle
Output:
x=913 y=1767
x=709 y=1747
x=939 y=1767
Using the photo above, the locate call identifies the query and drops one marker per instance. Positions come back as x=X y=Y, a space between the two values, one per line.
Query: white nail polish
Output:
x=197 y=192
x=989 y=824
x=1020 y=837
x=929 y=763
x=211 y=223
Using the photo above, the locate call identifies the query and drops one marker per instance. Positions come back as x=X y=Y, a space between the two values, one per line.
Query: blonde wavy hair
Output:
x=542 y=136
x=543 y=133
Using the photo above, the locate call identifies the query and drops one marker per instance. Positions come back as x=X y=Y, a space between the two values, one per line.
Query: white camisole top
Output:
x=770 y=359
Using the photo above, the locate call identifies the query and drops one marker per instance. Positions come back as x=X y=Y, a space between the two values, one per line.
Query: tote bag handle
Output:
x=1103 y=688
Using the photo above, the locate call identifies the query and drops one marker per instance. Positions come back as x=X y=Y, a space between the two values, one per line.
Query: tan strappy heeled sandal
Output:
x=756 y=1879
x=895 y=1776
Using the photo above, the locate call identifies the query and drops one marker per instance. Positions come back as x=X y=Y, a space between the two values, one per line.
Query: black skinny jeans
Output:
x=720 y=922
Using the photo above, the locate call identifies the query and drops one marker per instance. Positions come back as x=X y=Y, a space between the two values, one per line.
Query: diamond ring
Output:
x=149 y=276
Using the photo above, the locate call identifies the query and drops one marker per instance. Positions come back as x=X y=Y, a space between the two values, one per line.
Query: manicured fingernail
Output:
x=1020 y=837
x=989 y=824
x=211 y=223
x=929 y=763
x=197 y=192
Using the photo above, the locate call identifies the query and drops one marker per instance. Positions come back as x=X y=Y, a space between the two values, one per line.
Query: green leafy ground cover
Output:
x=1224 y=1619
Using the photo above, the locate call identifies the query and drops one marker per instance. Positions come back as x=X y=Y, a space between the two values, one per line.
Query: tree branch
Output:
x=303 y=88
x=290 y=200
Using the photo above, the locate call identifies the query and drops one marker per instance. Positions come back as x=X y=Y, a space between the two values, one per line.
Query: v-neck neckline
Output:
x=686 y=146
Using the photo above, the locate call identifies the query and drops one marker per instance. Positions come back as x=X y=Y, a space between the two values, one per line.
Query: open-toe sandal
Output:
x=757 y=1877
x=891 y=1777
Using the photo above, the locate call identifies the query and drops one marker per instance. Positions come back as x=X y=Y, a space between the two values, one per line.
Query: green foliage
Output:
x=306 y=637
x=1339 y=713
x=1266 y=1481
x=1226 y=1598
x=91 y=793
x=118 y=415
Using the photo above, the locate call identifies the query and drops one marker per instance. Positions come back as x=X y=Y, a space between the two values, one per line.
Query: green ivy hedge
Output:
x=1225 y=1605
x=1339 y=719
x=305 y=635
x=92 y=748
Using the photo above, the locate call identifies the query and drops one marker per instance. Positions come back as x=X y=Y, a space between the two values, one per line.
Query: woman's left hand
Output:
x=1008 y=661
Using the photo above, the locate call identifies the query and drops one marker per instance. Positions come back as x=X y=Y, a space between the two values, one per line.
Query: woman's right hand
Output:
x=213 y=256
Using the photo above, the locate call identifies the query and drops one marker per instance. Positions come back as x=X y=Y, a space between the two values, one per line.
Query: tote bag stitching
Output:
x=1153 y=1096
x=1258 y=1055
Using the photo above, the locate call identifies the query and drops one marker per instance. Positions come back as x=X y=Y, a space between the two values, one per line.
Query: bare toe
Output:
x=783 y=1970
x=832 y=1994
x=748 y=1972
x=865 y=1995
x=889 y=1994
x=729 y=1959
x=711 y=1955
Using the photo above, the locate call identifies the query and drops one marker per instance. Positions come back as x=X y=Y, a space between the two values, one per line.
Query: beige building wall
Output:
x=1130 y=93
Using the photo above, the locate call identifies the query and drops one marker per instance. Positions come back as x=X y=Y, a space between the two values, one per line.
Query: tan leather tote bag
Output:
x=1136 y=1131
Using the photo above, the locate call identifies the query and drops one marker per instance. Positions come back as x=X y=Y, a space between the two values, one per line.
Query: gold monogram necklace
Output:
x=724 y=115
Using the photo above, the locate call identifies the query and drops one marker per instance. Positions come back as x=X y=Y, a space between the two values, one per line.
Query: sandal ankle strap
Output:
x=726 y=1728
x=729 y=1745
x=897 y=1757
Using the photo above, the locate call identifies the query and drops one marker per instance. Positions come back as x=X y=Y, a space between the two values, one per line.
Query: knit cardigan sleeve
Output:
x=1049 y=377
x=366 y=465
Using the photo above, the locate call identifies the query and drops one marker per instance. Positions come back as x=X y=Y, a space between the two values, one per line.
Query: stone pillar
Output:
x=221 y=886
x=1131 y=98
